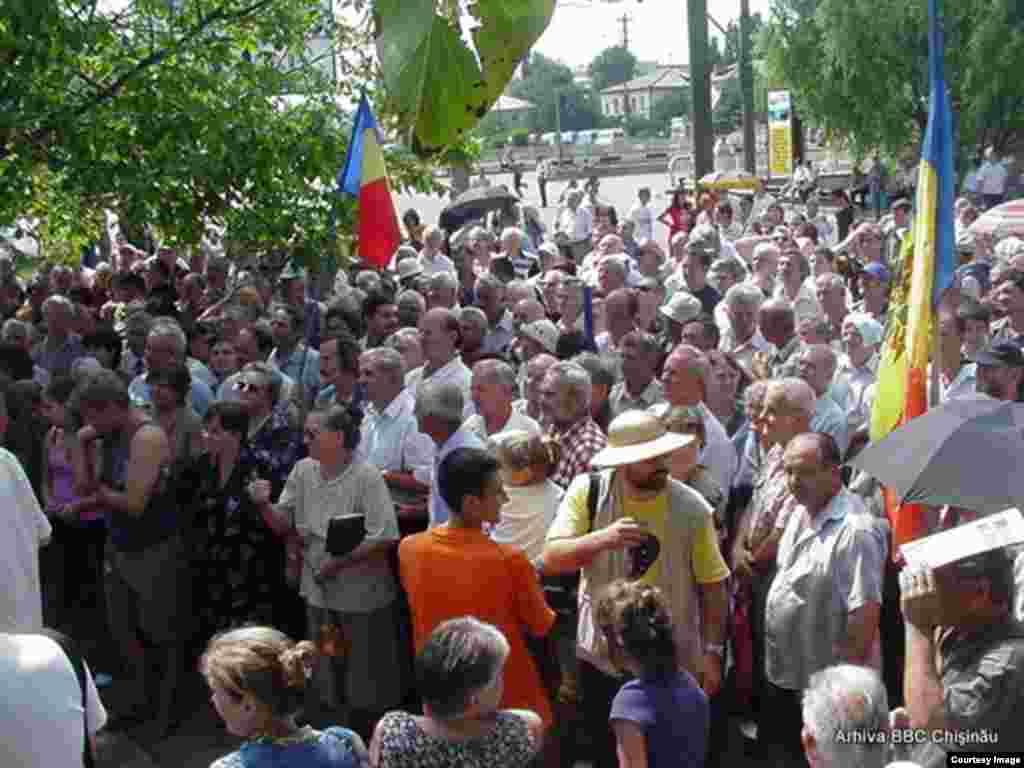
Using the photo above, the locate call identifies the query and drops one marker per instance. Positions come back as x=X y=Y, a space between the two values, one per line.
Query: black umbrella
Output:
x=966 y=452
x=474 y=204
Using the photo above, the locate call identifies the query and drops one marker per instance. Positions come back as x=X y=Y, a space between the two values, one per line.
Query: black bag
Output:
x=562 y=591
x=78 y=664
x=344 y=534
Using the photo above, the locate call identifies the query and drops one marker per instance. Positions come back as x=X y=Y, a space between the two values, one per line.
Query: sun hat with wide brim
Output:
x=637 y=436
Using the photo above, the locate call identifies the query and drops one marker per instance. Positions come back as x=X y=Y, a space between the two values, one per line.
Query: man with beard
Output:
x=648 y=527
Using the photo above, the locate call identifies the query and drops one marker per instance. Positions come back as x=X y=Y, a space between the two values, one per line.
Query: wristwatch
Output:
x=716 y=648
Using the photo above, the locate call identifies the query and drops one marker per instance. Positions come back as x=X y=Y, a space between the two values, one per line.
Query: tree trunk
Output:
x=460 y=179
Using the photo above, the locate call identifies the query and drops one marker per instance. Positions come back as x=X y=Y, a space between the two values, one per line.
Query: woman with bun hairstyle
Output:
x=660 y=717
x=257 y=678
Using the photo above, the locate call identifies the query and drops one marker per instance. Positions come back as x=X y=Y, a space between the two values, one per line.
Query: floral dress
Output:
x=403 y=743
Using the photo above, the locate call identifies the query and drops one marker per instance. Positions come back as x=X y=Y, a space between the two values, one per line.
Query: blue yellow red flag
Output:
x=365 y=175
x=929 y=262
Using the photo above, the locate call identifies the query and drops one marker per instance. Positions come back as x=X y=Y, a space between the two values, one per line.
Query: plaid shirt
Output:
x=772 y=502
x=579 y=443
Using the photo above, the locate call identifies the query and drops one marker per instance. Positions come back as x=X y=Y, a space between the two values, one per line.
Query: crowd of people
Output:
x=602 y=507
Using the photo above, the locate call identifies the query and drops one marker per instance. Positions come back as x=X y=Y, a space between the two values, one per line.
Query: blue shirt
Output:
x=302 y=367
x=200 y=395
x=673 y=714
x=331 y=748
x=439 y=511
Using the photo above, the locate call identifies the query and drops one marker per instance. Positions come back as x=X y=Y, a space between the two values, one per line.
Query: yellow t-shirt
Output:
x=573 y=520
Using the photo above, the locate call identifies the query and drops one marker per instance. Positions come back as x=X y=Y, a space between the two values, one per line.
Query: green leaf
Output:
x=435 y=83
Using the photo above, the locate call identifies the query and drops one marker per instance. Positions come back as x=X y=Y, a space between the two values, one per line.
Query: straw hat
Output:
x=637 y=436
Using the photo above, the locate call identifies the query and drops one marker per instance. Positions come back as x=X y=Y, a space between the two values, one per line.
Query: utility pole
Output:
x=747 y=87
x=624 y=20
x=700 y=84
x=558 y=126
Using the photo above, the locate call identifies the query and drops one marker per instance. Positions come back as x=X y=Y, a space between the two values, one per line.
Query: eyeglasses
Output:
x=248 y=386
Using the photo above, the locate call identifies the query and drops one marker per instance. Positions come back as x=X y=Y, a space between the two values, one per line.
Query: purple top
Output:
x=61 y=488
x=673 y=714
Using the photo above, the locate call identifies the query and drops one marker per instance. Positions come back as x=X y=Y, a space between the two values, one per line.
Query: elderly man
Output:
x=684 y=381
x=57 y=352
x=443 y=291
x=534 y=338
x=570 y=305
x=791 y=285
x=439 y=416
x=390 y=439
x=681 y=309
x=490 y=298
x=786 y=412
x=701 y=249
x=602 y=379
x=549 y=283
x=565 y=394
x=406 y=341
x=830 y=292
x=530 y=403
x=817 y=366
x=743 y=339
x=845 y=699
x=513 y=262
x=472 y=329
x=853 y=384
x=381 y=315
x=526 y=311
x=639 y=388
x=611 y=274
x=824 y=602
x=620 y=315
x=431 y=259
x=494 y=388
x=874 y=286
x=439 y=337
x=632 y=520
x=963 y=670
x=778 y=326
x=166 y=346
x=764 y=266
x=574 y=221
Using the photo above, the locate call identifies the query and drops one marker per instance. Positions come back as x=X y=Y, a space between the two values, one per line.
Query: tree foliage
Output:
x=612 y=66
x=859 y=68
x=675 y=104
x=548 y=84
x=177 y=114
x=439 y=83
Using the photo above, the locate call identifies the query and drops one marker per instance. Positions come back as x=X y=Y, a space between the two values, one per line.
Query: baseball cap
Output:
x=1002 y=355
x=877 y=271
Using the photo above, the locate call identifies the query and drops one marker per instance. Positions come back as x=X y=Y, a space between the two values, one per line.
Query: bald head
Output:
x=528 y=311
x=777 y=321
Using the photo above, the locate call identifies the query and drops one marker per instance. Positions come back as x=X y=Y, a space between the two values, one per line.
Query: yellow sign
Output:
x=780 y=133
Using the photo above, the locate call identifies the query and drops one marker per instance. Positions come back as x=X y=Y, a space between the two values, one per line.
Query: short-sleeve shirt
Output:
x=673 y=714
x=26 y=529
x=331 y=748
x=573 y=521
x=450 y=572
x=311 y=501
x=828 y=567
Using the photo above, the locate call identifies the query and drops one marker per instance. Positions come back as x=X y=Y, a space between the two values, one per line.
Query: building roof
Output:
x=668 y=77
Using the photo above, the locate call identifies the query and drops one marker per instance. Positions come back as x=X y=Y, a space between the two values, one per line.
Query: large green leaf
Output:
x=439 y=86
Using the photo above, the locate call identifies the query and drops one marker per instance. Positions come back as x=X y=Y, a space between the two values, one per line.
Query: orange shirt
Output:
x=453 y=572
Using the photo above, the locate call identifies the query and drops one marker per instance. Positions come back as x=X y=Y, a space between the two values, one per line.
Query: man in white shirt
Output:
x=27 y=529
x=574 y=221
x=41 y=718
x=431 y=259
x=642 y=215
x=494 y=388
x=440 y=337
x=993 y=179
x=390 y=440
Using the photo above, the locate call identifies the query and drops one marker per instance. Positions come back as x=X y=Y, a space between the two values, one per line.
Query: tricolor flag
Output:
x=365 y=175
x=928 y=267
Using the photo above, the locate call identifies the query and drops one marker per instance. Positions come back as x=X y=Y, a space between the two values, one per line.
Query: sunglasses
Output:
x=248 y=386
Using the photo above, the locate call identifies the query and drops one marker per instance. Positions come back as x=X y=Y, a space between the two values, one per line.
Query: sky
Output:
x=581 y=29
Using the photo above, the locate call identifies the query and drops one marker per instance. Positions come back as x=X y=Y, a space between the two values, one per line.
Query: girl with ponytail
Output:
x=257 y=678
x=660 y=717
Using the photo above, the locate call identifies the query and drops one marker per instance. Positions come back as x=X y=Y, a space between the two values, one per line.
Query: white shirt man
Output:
x=41 y=719
x=643 y=218
x=27 y=529
x=577 y=225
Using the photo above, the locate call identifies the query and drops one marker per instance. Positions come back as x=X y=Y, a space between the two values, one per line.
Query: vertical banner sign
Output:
x=780 y=133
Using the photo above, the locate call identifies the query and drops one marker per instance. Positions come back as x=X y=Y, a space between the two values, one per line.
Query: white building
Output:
x=639 y=95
